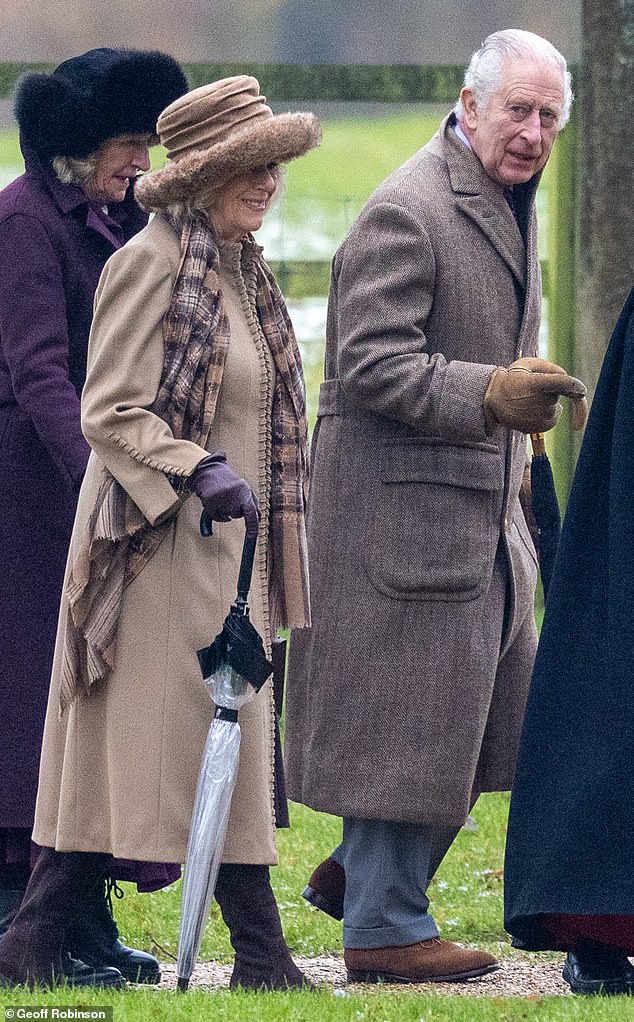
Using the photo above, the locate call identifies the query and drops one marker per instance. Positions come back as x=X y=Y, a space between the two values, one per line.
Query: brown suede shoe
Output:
x=429 y=961
x=326 y=888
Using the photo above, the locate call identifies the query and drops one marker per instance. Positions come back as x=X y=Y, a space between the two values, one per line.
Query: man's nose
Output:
x=532 y=128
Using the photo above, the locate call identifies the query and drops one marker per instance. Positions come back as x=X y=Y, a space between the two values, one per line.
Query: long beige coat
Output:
x=118 y=772
x=408 y=690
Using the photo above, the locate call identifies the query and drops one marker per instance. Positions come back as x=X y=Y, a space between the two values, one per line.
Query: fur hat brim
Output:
x=279 y=139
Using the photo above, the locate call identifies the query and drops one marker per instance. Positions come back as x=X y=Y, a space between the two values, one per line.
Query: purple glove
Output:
x=223 y=494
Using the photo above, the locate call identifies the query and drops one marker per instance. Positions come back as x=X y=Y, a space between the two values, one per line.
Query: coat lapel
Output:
x=482 y=201
x=500 y=227
x=105 y=226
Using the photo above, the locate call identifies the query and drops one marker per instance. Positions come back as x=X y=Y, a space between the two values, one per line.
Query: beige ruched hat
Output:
x=217 y=131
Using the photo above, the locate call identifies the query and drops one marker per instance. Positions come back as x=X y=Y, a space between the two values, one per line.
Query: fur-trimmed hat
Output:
x=217 y=131
x=95 y=97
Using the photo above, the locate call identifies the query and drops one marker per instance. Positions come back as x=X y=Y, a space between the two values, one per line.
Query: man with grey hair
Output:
x=406 y=696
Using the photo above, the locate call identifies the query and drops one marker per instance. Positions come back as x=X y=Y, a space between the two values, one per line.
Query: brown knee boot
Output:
x=249 y=909
x=33 y=950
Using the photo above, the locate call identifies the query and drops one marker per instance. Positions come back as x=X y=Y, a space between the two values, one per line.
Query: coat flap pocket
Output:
x=330 y=398
x=431 y=460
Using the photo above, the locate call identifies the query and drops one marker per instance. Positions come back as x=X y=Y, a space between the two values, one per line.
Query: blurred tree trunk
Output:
x=606 y=249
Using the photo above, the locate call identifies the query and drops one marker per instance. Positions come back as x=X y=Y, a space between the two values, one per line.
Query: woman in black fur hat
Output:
x=85 y=130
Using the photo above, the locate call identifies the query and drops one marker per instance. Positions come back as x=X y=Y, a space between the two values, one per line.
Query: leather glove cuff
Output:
x=217 y=458
x=490 y=421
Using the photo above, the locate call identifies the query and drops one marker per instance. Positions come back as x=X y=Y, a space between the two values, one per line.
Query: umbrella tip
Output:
x=183 y=985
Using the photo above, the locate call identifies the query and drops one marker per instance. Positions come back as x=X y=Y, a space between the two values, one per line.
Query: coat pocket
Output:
x=524 y=531
x=435 y=526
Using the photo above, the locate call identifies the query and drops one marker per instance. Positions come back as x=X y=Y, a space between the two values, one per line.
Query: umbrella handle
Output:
x=246 y=567
x=206 y=528
x=246 y=562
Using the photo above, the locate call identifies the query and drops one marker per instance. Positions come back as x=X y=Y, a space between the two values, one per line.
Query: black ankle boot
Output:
x=598 y=969
x=249 y=909
x=14 y=878
x=10 y=902
x=33 y=950
x=94 y=938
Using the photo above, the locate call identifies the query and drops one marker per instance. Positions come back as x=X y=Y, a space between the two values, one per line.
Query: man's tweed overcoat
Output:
x=410 y=686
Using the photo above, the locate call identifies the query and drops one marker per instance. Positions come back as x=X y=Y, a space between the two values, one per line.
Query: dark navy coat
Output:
x=570 y=845
x=53 y=246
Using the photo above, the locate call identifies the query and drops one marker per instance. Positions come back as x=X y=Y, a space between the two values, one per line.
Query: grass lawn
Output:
x=357 y=154
x=377 y=1006
x=10 y=154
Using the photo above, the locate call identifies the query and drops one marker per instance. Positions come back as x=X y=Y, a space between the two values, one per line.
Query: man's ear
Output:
x=470 y=109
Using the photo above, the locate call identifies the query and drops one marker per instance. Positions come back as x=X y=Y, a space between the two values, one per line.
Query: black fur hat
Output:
x=94 y=97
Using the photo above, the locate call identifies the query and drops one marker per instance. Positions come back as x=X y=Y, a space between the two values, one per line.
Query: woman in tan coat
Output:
x=194 y=399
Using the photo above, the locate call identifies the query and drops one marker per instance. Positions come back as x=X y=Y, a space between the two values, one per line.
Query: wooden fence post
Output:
x=562 y=288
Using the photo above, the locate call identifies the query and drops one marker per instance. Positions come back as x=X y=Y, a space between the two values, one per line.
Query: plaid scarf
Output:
x=119 y=541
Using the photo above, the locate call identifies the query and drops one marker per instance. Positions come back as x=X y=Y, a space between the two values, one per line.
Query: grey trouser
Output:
x=388 y=868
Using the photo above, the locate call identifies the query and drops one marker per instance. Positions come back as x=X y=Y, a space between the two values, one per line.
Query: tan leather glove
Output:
x=525 y=396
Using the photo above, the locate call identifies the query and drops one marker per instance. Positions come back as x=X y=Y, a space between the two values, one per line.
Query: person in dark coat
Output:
x=84 y=134
x=569 y=869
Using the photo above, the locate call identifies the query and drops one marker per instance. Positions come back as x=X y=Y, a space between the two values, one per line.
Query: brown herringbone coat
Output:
x=410 y=686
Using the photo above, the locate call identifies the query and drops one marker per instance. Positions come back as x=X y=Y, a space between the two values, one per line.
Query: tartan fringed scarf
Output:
x=118 y=541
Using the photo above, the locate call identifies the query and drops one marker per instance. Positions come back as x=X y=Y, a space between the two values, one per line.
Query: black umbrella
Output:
x=234 y=668
x=544 y=503
x=545 y=508
x=239 y=644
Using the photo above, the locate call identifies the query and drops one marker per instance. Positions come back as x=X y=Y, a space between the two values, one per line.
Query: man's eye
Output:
x=547 y=116
x=519 y=112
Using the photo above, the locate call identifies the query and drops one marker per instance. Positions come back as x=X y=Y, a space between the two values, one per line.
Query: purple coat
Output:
x=53 y=246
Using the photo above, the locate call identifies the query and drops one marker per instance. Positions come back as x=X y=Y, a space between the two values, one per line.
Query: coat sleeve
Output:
x=385 y=280
x=125 y=362
x=34 y=332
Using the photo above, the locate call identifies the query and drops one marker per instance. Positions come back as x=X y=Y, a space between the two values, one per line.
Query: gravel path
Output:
x=528 y=976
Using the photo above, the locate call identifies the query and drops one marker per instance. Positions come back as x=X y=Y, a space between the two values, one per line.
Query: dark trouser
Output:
x=389 y=866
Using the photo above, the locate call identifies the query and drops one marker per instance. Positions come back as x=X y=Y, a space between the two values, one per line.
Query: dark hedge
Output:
x=389 y=83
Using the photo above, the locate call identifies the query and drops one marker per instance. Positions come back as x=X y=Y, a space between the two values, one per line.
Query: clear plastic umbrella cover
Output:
x=234 y=668
x=216 y=782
